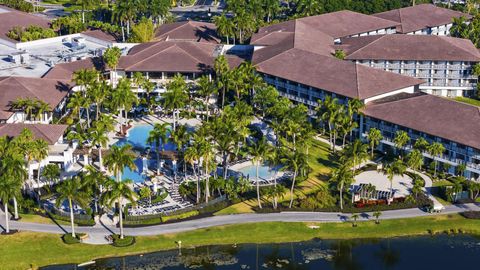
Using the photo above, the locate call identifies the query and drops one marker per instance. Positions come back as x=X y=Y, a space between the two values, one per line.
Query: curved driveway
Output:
x=234 y=219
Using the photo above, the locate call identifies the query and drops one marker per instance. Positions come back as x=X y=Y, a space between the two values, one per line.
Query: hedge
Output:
x=125 y=242
x=69 y=239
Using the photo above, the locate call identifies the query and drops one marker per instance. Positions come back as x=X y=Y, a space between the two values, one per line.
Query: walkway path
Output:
x=234 y=219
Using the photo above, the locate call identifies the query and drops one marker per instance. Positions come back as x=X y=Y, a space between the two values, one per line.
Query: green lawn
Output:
x=321 y=163
x=471 y=101
x=21 y=250
x=40 y=219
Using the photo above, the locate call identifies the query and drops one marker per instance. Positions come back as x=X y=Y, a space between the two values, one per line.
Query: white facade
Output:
x=443 y=78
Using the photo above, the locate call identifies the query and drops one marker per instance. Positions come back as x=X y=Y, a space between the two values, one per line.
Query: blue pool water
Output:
x=137 y=137
x=264 y=172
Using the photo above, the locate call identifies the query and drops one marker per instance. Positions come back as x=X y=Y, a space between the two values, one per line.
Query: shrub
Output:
x=30 y=33
x=69 y=239
x=180 y=216
x=125 y=242
x=21 y=5
x=471 y=214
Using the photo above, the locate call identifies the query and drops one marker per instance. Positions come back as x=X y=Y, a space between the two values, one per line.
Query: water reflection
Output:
x=443 y=252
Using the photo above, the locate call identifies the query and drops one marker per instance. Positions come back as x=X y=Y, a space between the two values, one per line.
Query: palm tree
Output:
x=394 y=168
x=118 y=158
x=357 y=152
x=374 y=137
x=436 y=149
x=92 y=183
x=259 y=152
x=206 y=88
x=111 y=57
x=377 y=215
x=125 y=12
x=225 y=26
x=206 y=151
x=176 y=95
x=116 y=192
x=76 y=103
x=180 y=138
x=343 y=177
x=9 y=188
x=159 y=136
x=191 y=157
x=86 y=4
x=40 y=152
x=415 y=160
x=70 y=190
x=51 y=173
x=421 y=144
x=12 y=167
x=222 y=68
x=294 y=161
x=401 y=139
x=99 y=137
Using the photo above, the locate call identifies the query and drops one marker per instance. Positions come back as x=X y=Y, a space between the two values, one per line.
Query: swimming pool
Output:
x=137 y=137
x=264 y=172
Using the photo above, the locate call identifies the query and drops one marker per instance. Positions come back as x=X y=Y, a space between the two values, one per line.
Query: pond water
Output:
x=439 y=252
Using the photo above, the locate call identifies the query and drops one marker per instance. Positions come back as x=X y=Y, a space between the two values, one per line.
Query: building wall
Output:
x=441 y=77
x=454 y=155
x=385 y=31
x=440 y=30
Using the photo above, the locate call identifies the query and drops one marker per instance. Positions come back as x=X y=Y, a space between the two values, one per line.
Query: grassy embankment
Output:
x=21 y=250
x=320 y=162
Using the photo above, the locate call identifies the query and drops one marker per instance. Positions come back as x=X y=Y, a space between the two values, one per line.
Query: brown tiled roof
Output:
x=64 y=71
x=440 y=117
x=10 y=18
x=410 y=47
x=188 y=31
x=328 y=26
x=169 y=56
x=49 y=90
x=420 y=16
x=50 y=133
x=328 y=73
x=345 y=23
x=99 y=34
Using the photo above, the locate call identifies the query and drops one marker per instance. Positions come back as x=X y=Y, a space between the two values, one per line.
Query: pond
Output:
x=439 y=252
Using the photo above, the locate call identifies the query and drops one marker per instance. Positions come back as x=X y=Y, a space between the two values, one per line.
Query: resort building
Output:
x=444 y=63
x=59 y=152
x=50 y=91
x=436 y=119
x=424 y=19
x=387 y=72
x=188 y=31
x=335 y=25
x=160 y=61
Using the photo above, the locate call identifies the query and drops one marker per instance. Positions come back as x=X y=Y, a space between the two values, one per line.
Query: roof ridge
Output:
x=357 y=81
x=24 y=86
x=450 y=40
x=152 y=55
x=186 y=51
x=368 y=44
x=181 y=24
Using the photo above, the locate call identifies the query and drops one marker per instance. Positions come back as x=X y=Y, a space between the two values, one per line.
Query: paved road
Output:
x=234 y=219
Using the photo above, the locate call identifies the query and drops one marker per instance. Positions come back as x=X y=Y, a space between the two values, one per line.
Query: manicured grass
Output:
x=321 y=163
x=21 y=250
x=442 y=183
x=471 y=101
x=40 y=219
